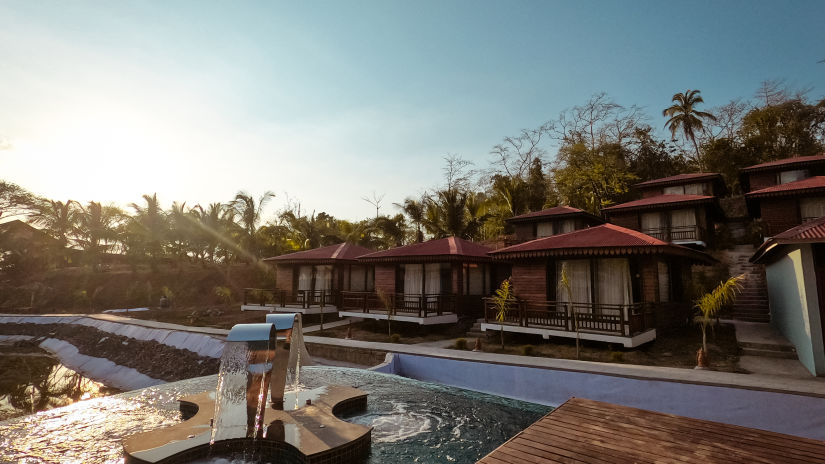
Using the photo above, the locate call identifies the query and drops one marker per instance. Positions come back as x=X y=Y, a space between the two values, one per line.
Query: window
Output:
x=305 y=278
x=544 y=229
x=812 y=208
x=413 y=278
x=578 y=274
x=696 y=189
x=568 y=225
x=652 y=223
x=612 y=282
x=792 y=176
x=323 y=277
x=683 y=218
x=674 y=190
x=358 y=278
x=474 y=279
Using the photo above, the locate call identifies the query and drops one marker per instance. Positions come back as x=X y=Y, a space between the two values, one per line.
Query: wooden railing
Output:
x=624 y=320
x=674 y=234
x=398 y=303
x=282 y=298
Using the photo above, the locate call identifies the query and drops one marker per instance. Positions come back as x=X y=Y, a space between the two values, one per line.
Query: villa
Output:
x=795 y=270
x=681 y=209
x=623 y=285
x=432 y=282
x=787 y=192
x=551 y=221
x=311 y=281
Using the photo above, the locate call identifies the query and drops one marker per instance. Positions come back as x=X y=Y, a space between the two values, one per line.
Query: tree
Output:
x=97 y=230
x=414 y=209
x=650 y=158
x=59 y=220
x=15 y=200
x=685 y=117
x=249 y=214
x=591 y=180
x=791 y=128
x=536 y=186
x=709 y=306
x=503 y=301
x=149 y=224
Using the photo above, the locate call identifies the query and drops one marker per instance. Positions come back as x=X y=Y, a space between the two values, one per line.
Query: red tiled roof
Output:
x=785 y=162
x=816 y=182
x=680 y=178
x=556 y=211
x=597 y=240
x=809 y=232
x=659 y=200
x=340 y=252
x=450 y=248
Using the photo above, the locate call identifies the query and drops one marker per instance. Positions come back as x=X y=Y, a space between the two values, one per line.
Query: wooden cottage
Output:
x=623 y=285
x=551 y=221
x=432 y=282
x=786 y=193
x=311 y=281
x=795 y=272
x=681 y=209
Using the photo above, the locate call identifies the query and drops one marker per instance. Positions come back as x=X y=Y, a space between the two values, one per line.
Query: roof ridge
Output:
x=338 y=250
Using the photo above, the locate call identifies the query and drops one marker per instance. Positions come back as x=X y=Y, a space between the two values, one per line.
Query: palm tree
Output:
x=97 y=229
x=150 y=224
x=709 y=306
x=59 y=220
x=684 y=115
x=249 y=214
x=180 y=230
x=415 y=211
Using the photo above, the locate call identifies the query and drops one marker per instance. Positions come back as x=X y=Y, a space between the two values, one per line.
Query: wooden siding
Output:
x=760 y=180
x=283 y=277
x=385 y=278
x=525 y=231
x=585 y=431
x=649 y=272
x=530 y=281
x=779 y=214
x=629 y=220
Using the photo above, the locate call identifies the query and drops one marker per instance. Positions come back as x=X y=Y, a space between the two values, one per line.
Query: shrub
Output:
x=224 y=294
x=460 y=344
x=528 y=350
x=395 y=338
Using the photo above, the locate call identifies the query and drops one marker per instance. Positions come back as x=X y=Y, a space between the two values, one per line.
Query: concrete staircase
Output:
x=752 y=303
x=475 y=331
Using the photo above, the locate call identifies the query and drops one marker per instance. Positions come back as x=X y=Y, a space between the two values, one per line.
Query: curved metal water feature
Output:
x=258 y=410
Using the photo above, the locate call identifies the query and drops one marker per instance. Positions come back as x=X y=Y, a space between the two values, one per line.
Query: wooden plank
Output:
x=582 y=431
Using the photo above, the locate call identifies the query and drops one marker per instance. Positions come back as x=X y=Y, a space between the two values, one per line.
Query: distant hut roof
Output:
x=445 y=249
x=340 y=253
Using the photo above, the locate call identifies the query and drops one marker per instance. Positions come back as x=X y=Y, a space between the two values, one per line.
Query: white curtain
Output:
x=305 y=278
x=812 y=207
x=413 y=276
x=792 y=176
x=475 y=277
x=544 y=229
x=683 y=218
x=566 y=226
x=664 y=282
x=613 y=281
x=674 y=190
x=651 y=222
x=323 y=277
x=358 y=279
x=432 y=273
x=578 y=274
x=695 y=189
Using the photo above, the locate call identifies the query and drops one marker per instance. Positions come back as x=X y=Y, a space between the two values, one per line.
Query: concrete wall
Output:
x=778 y=412
x=794 y=305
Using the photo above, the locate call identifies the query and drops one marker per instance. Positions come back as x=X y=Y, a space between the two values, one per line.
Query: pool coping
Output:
x=808 y=387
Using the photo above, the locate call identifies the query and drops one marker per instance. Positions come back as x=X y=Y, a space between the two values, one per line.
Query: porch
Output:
x=427 y=309
x=303 y=301
x=677 y=234
x=631 y=325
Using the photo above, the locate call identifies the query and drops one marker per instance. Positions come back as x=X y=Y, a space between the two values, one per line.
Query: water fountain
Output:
x=258 y=410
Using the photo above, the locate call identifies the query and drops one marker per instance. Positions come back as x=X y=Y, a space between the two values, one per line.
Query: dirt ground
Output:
x=377 y=331
x=672 y=349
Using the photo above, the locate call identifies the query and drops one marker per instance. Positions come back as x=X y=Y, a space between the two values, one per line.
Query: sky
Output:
x=327 y=102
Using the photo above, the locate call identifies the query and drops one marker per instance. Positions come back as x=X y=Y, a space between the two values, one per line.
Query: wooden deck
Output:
x=585 y=431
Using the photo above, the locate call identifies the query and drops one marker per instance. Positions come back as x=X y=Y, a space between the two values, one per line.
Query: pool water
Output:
x=415 y=422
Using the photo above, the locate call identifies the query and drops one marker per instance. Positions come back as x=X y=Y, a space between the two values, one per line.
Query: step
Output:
x=788 y=348
x=769 y=353
x=746 y=318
